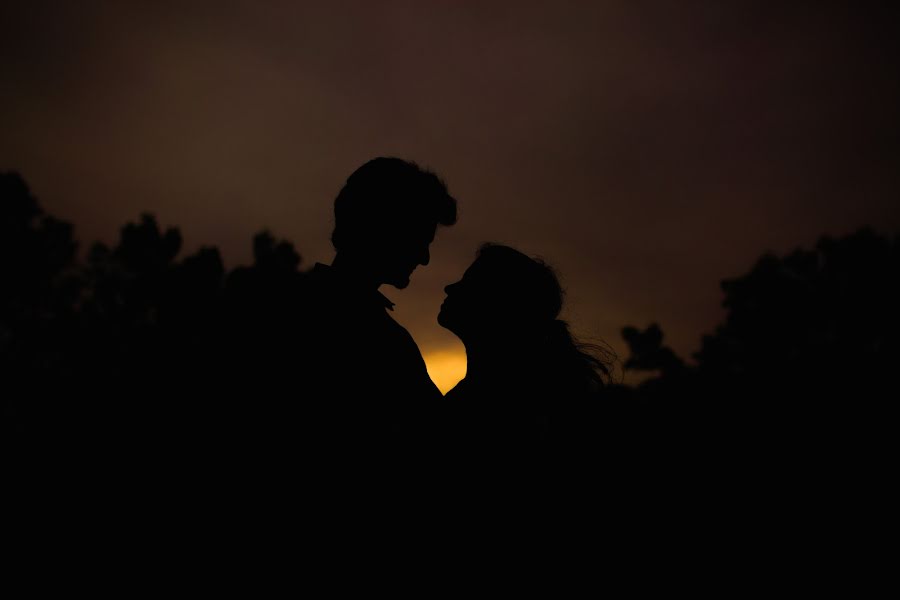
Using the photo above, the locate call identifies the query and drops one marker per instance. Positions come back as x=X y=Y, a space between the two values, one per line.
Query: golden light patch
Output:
x=446 y=368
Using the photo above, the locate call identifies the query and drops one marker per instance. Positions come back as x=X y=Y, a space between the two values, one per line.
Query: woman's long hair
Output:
x=583 y=368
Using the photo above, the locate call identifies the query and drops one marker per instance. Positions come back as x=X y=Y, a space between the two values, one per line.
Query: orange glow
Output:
x=446 y=368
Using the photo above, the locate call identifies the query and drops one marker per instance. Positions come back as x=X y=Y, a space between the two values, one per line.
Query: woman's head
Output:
x=502 y=292
x=509 y=303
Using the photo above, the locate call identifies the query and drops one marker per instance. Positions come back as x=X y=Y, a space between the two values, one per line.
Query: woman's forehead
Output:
x=485 y=268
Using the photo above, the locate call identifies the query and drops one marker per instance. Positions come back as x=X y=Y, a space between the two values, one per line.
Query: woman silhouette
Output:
x=528 y=380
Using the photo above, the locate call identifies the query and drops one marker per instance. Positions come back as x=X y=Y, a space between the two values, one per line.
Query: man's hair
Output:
x=385 y=194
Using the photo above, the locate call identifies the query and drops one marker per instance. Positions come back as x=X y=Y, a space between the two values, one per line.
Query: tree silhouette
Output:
x=821 y=321
x=141 y=360
x=796 y=384
x=38 y=297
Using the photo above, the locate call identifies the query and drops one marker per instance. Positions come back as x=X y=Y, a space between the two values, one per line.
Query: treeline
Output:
x=136 y=351
x=808 y=338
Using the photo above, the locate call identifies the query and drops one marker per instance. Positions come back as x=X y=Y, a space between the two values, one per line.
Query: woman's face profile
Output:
x=475 y=302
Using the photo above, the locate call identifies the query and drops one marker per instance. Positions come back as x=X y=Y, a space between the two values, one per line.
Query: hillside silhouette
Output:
x=138 y=358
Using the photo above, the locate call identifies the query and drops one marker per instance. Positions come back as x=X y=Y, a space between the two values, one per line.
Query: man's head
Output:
x=386 y=216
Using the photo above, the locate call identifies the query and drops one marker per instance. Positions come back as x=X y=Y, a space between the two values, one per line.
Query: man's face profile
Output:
x=403 y=250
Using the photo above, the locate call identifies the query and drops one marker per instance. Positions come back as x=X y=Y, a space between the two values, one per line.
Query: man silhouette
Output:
x=365 y=374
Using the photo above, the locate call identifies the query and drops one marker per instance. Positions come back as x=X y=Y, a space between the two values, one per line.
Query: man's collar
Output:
x=387 y=302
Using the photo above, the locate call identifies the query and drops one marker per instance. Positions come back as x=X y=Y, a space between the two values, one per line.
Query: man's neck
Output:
x=348 y=267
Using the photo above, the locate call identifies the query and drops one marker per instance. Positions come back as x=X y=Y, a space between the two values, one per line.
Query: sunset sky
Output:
x=645 y=149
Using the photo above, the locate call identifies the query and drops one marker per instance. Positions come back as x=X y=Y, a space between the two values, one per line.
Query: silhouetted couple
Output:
x=368 y=397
